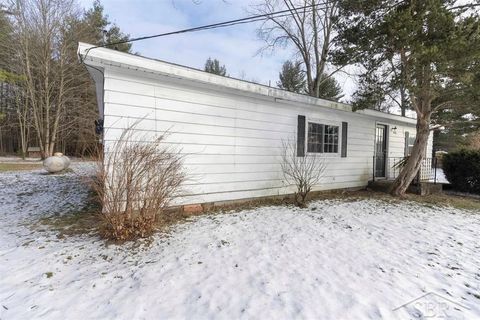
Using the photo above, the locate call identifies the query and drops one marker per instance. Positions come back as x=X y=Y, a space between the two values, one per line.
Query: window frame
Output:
x=408 y=146
x=324 y=123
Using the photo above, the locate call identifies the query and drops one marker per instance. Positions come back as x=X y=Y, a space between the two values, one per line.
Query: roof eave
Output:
x=102 y=56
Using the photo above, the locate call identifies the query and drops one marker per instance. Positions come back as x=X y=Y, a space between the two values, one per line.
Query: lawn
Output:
x=340 y=258
x=12 y=166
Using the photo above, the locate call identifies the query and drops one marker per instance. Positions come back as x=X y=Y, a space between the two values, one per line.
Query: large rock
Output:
x=66 y=161
x=56 y=163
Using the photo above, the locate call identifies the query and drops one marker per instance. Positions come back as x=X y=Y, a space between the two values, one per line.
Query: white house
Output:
x=232 y=131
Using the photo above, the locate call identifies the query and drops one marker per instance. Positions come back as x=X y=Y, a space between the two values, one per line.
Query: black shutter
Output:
x=344 y=139
x=301 y=136
x=322 y=138
x=407 y=137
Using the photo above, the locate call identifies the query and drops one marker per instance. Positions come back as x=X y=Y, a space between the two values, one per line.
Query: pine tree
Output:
x=292 y=78
x=329 y=88
x=99 y=30
x=213 y=66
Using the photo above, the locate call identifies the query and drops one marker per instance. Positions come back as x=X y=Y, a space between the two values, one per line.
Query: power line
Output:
x=260 y=17
x=217 y=25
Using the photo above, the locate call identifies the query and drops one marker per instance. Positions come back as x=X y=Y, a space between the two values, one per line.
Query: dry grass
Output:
x=455 y=201
x=87 y=222
x=442 y=199
x=14 y=166
x=74 y=224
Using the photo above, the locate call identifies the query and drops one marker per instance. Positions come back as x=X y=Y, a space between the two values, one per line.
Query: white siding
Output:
x=232 y=141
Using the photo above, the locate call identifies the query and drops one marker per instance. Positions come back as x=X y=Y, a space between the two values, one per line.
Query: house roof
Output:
x=96 y=58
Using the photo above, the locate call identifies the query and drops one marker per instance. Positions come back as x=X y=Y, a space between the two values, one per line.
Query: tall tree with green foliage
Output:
x=5 y=37
x=432 y=45
x=92 y=26
x=455 y=125
x=329 y=88
x=214 y=66
x=292 y=78
x=380 y=91
x=98 y=29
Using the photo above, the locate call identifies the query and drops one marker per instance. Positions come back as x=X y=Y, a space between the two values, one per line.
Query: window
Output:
x=315 y=137
x=322 y=138
x=330 y=141
x=409 y=141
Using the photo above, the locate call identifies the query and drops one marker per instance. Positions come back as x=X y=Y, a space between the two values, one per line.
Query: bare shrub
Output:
x=135 y=182
x=303 y=172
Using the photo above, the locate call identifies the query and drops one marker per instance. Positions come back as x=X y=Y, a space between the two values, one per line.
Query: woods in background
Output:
x=47 y=98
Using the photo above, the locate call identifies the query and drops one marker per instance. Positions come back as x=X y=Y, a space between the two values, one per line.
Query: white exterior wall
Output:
x=232 y=138
x=232 y=142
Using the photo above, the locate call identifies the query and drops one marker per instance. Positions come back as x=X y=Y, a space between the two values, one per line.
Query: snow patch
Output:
x=337 y=259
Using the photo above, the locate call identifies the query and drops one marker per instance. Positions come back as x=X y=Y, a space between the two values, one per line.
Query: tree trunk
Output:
x=414 y=162
x=403 y=100
x=22 y=126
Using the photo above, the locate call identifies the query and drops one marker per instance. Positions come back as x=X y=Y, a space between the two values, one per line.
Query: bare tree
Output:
x=43 y=60
x=38 y=42
x=23 y=119
x=136 y=181
x=14 y=106
x=308 y=26
x=14 y=110
x=303 y=172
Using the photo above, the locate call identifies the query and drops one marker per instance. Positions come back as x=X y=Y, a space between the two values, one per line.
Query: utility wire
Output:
x=260 y=17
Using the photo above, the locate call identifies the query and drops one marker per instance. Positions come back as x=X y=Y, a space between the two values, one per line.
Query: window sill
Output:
x=324 y=155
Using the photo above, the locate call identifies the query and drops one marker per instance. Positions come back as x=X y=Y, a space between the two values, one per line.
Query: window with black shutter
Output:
x=322 y=138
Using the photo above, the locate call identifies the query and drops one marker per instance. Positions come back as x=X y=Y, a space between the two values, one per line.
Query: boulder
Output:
x=58 y=162
x=66 y=160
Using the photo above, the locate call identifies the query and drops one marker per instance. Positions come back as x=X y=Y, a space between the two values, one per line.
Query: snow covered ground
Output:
x=337 y=259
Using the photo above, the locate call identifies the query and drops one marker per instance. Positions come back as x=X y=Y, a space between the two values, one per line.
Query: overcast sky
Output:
x=236 y=46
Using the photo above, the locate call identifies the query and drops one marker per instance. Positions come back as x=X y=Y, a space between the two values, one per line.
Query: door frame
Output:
x=387 y=139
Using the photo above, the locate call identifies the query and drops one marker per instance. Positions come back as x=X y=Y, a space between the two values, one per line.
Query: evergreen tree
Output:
x=5 y=38
x=93 y=27
x=213 y=66
x=292 y=78
x=329 y=88
x=99 y=30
